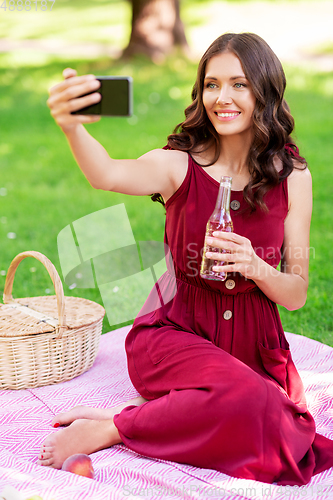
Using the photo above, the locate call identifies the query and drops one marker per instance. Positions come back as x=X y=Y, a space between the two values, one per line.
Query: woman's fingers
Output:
x=233 y=237
x=222 y=244
x=224 y=257
x=228 y=241
x=69 y=73
x=74 y=87
x=235 y=253
x=74 y=104
x=71 y=95
x=59 y=107
x=230 y=247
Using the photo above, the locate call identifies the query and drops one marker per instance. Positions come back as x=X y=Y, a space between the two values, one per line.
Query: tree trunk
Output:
x=156 y=29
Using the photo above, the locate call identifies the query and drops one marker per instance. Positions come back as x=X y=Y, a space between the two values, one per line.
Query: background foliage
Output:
x=41 y=188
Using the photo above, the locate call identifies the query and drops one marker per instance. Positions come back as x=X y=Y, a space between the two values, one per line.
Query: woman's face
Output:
x=227 y=96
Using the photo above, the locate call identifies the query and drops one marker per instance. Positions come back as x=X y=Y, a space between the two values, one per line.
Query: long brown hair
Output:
x=272 y=121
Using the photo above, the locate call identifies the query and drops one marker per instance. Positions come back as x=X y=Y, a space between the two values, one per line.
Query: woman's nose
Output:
x=224 y=97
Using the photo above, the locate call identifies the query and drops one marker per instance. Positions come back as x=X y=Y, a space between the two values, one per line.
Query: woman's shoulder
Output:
x=300 y=177
x=298 y=182
x=168 y=156
x=300 y=170
x=173 y=163
x=299 y=185
x=170 y=161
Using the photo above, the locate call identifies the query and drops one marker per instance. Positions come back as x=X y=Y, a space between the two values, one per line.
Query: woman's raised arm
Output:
x=157 y=171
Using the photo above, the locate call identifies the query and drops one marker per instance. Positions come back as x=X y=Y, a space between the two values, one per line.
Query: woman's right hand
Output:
x=65 y=98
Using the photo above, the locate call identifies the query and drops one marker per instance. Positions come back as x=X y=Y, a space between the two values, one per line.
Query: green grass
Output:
x=70 y=20
x=43 y=190
x=310 y=96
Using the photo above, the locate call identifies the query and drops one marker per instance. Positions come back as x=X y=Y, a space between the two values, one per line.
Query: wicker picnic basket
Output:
x=45 y=340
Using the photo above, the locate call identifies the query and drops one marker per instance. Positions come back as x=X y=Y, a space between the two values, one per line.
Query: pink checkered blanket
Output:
x=25 y=417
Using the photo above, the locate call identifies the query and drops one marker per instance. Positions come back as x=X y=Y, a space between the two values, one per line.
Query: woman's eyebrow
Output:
x=236 y=77
x=231 y=78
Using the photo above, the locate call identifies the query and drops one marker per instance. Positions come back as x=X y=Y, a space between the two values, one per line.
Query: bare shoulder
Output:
x=300 y=186
x=170 y=163
x=167 y=156
x=300 y=176
x=298 y=169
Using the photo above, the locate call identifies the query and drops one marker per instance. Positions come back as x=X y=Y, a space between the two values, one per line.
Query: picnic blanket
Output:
x=25 y=417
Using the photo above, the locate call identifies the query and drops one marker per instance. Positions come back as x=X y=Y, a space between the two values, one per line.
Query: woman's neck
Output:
x=232 y=161
x=234 y=154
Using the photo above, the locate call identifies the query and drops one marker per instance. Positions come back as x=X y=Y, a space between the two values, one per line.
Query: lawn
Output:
x=42 y=190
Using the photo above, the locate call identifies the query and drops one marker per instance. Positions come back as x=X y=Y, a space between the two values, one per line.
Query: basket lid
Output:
x=33 y=315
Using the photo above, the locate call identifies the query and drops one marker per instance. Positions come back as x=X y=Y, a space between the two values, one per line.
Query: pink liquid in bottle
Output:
x=220 y=220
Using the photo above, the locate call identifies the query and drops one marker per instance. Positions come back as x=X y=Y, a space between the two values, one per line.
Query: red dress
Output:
x=213 y=361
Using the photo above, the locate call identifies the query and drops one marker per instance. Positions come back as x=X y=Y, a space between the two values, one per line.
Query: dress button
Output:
x=235 y=204
x=230 y=284
x=227 y=314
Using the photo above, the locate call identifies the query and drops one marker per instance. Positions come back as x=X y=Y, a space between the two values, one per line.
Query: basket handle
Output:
x=7 y=295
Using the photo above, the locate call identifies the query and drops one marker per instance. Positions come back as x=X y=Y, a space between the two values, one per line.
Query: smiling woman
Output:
x=217 y=383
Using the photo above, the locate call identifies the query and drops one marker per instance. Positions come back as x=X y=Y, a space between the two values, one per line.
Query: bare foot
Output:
x=80 y=412
x=82 y=436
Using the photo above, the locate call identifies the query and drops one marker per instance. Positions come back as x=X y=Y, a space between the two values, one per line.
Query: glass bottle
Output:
x=220 y=220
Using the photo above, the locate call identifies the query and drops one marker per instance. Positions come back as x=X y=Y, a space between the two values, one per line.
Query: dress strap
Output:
x=293 y=150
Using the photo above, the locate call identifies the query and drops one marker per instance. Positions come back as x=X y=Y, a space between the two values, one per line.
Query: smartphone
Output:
x=117 y=97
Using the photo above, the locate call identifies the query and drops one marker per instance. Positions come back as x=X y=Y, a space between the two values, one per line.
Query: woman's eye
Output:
x=240 y=85
x=210 y=85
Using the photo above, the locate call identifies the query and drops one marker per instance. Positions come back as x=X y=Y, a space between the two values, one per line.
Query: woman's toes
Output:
x=47 y=462
x=59 y=420
x=45 y=455
x=67 y=417
x=47 y=448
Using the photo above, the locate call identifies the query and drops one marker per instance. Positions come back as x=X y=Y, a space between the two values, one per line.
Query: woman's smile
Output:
x=227 y=115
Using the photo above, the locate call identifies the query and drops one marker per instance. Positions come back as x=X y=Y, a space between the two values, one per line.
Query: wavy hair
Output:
x=272 y=120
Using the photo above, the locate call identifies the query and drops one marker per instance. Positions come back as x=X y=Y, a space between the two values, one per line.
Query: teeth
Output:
x=227 y=115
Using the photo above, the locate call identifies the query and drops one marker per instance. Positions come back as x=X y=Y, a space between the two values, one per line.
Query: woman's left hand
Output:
x=240 y=258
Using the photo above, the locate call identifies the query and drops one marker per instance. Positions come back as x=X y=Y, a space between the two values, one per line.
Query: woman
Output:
x=212 y=365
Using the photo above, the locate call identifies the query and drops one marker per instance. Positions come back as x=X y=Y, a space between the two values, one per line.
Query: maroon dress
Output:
x=213 y=361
